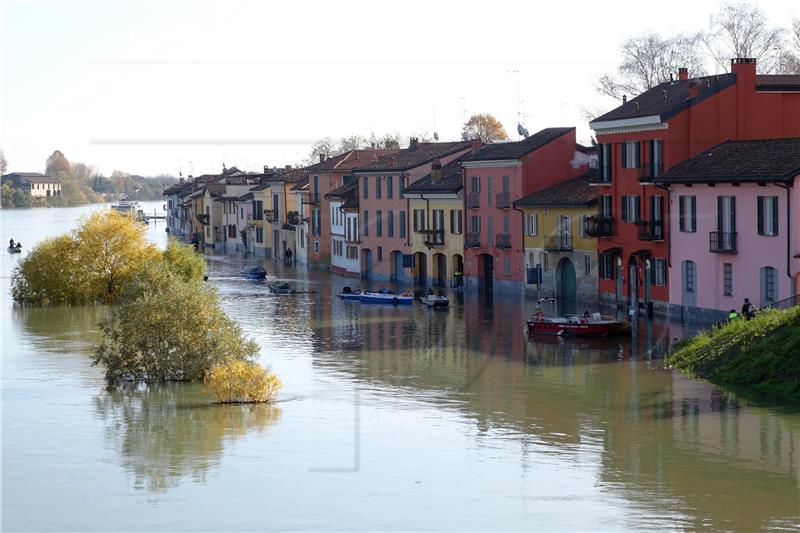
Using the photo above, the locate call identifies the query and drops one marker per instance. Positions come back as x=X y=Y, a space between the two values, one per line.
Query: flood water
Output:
x=390 y=419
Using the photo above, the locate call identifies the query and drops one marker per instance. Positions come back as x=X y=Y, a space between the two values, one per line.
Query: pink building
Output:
x=734 y=227
x=383 y=219
x=494 y=178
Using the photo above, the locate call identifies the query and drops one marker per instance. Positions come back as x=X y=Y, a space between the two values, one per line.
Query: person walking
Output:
x=748 y=310
x=288 y=256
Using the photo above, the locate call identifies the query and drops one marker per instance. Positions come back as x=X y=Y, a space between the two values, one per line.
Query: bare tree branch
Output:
x=741 y=30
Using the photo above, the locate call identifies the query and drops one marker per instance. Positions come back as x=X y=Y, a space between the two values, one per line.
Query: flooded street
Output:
x=390 y=418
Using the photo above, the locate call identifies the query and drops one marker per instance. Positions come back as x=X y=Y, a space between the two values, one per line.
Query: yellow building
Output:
x=436 y=236
x=556 y=244
x=281 y=210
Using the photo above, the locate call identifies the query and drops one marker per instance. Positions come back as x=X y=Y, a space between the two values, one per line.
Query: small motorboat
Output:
x=594 y=325
x=350 y=294
x=14 y=249
x=124 y=205
x=434 y=301
x=253 y=272
x=385 y=296
x=280 y=287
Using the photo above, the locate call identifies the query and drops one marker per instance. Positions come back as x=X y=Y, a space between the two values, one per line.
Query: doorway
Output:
x=486 y=271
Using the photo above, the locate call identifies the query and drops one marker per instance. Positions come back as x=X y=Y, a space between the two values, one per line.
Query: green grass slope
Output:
x=762 y=354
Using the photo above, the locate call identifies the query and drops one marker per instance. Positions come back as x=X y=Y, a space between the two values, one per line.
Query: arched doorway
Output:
x=397 y=266
x=421 y=268
x=440 y=269
x=458 y=266
x=366 y=263
x=486 y=271
x=633 y=283
x=567 y=281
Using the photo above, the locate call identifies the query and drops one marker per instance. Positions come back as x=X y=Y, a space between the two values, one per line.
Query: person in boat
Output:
x=733 y=316
x=430 y=291
x=11 y=243
x=586 y=314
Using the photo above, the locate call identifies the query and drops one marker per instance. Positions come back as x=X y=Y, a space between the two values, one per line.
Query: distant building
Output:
x=35 y=184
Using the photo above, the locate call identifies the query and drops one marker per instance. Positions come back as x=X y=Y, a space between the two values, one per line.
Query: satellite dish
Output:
x=464 y=135
x=521 y=130
x=435 y=136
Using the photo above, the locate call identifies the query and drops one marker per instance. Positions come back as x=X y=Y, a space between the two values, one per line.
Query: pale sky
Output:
x=165 y=86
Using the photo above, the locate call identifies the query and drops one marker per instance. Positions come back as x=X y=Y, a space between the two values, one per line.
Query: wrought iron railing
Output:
x=472 y=240
x=598 y=226
x=503 y=200
x=473 y=200
x=559 y=242
x=650 y=171
x=503 y=240
x=435 y=238
x=651 y=230
x=720 y=242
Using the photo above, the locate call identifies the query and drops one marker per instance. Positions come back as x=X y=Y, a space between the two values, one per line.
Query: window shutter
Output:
x=637 y=208
x=624 y=153
x=601 y=160
x=625 y=208
x=637 y=154
x=733 y=214
x=682 y=213
x=651 y=156
x=760 y=204
x=694 y=213
x=452 y=221
x=719 y=213
x=774 y=215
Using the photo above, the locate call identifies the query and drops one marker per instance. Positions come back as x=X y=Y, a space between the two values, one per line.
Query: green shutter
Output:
x=719 y=213
x=651 y=157
x=694 y=213
x=760 y=204
x=638 y=156
x=624 y=208
x=733 y=214
x=682 y=212
x=775 y=214
x=624 y=151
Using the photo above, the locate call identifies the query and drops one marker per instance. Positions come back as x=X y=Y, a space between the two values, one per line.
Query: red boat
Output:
x=594 y=325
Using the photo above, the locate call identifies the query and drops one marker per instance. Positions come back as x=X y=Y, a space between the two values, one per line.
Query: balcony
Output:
x=293 y=218
x=503 y=200
x=435 y=238
x=560 y=242
x=473 y=200
x=472 y=240
x=203 y=219
x=271 y=216
x=720 y=242
x=312 y=198
x=651 y=230
x=503 y=241
x=649 y=172
x=598 y=226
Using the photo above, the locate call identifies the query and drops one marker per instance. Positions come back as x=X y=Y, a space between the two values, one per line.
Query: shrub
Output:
x=184 y=261
x=242 y=382
x=169 y=330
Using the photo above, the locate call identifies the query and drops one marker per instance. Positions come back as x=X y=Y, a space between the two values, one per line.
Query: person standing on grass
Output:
x=733 y=316
x=748 y=311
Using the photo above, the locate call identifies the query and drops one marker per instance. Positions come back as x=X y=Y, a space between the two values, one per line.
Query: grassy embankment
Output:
x=762 y=355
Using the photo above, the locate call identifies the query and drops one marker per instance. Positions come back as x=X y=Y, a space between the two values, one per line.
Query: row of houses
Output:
x=646 y=217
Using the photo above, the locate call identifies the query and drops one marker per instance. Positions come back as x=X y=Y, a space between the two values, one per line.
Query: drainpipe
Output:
x=522 y=240
x=788 y=229
x=408 y=211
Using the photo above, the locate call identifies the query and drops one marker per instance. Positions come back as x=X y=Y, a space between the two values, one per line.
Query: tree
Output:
x=174 y=330
x=56 y=164
x=486 y=128
x=323 y=147
x=242 y=382
x=741 y=30
x=3 y=162
x=649 y=59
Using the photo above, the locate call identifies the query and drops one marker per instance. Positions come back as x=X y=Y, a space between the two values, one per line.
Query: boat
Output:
x=385 y=296
x=14 y=249
x=594 y=325
x=253 y=272
x=434 y=301
x=350 y=294
x=123 y=205
x=279 y=287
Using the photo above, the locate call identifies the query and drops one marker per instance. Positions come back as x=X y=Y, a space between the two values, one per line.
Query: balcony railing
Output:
x=435 y=238
x=560 y=242
x=650 y=171
x=473 y=200
x=651 y=230
x=503 y=200
x=598 y=226
x=720 y=242
x=203 y=219
x=472 y=240
x=503 y=240
x=293 y=218
x=312 y=198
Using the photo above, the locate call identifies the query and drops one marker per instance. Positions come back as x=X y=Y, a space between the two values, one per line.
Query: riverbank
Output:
x=760 y=354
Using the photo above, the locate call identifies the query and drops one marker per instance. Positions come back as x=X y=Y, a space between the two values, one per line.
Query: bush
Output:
x=184 y=261
x=169 y=329
x=242 y=382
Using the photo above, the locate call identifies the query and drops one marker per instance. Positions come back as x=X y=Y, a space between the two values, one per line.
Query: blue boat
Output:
x=350 y=294
x=255 y=272
x=385 y=296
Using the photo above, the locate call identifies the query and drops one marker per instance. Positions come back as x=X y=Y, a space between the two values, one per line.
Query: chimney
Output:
x=321 y=158
x=266 y=169
x=412 y=143
x=745 y=70
x=624 y=98
x=288 y=167
x=683 y=73
x=694 y=89
x=436 y=171
x=475 y=145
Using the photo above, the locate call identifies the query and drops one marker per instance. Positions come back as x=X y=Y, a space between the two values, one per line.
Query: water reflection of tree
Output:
x=170 y=432
x=62 y=328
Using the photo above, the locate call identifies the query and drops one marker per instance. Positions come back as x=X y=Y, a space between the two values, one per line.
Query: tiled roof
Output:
x=350 y=200
x=586 y=149
x=450 y=182
x=290 y=175
x=33 y=177
x=178 y=188
x=351 y=159
x=575 y=192
x=515 y=150
x=669 y=98
x=778 y=82
x=342 y=190
x=737 y=161
x=414 y=156
x=246 y=197
x=215 y=189
x=301 y=185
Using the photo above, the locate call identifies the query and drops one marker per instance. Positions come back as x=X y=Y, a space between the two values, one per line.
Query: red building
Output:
x=496 y=176
x=653 y=132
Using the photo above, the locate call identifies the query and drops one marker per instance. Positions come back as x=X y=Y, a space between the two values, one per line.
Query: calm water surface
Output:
x=390 y=418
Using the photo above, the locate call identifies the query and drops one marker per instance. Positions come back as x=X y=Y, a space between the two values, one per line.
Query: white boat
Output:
x=129 y=207
x=386 y=296
x=14 y=249
x=435 y=301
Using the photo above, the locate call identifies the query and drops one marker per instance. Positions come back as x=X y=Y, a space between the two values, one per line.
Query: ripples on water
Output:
x=395 y=419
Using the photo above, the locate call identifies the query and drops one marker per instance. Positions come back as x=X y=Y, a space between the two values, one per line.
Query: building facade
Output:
x=344 y=230
x=35 y=184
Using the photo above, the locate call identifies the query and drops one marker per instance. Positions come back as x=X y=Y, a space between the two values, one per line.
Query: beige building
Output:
x=35 y=184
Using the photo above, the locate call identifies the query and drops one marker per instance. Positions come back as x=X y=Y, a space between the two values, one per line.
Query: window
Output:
x=456 y=222
x=505 y=184
x=507 y=266
x=490 y=230
x=352 y=252
x=506 y=225
x=769 y=290
x=587 y=265
x=727 y=279
x=390 y=222
x=533 y=224
x=475 y=184
x=606 y=265
x=259 y=235
x=660 y=272
x=655 y=157
x=402 y=221
x=768 y=215
x=604 y=162
x=365 y=223
x=489 y=188
x=378 y=223
x=419 y=220
x=545 y=262
x=687 y=213
x=366 y=188
x=630 y=154
x=726 y=214
x=606 y=206
x=389 y=186
x=231 y=231
x=377 y=186
x=631 y=208
x=258 y=210
x=316 y=222
x=475 y=224
x=688 y=271
x=380 y=253
x=438 y=219
x=316 y=247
